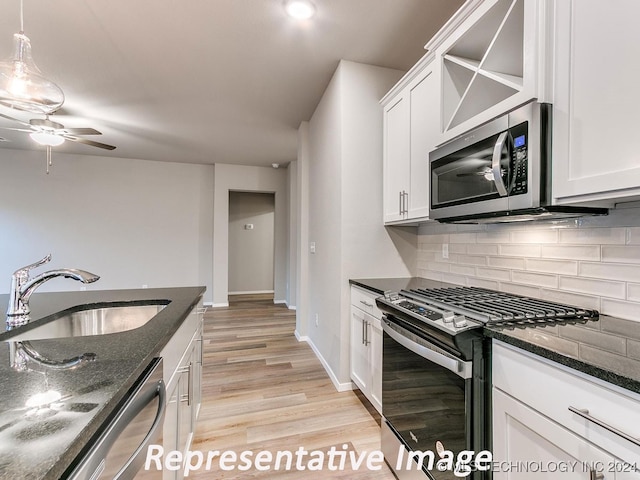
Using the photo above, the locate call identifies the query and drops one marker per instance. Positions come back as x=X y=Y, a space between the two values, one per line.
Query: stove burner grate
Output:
x=489 y=306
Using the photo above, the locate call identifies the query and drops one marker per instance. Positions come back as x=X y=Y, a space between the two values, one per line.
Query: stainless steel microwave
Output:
x=499 y=172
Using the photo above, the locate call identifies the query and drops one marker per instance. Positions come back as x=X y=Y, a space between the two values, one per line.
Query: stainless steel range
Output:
x=435 y=374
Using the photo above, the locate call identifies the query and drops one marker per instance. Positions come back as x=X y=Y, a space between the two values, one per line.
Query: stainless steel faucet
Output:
x=22 y=287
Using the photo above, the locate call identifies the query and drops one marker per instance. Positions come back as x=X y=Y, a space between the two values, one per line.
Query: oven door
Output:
x=426 y=402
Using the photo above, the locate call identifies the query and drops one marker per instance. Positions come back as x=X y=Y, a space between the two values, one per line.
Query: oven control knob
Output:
x=459 y=321
x=447 y=317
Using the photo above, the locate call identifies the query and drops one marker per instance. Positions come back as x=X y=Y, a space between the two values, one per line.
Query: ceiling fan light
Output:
x=22 y=85
x=48 y=139
x=300 y=9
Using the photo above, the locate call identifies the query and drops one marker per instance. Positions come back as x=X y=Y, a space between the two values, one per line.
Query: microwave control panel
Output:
x=519 y=159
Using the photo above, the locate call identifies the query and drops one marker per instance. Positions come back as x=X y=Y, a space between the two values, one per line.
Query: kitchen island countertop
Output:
x=41 y=443
x=607 y=348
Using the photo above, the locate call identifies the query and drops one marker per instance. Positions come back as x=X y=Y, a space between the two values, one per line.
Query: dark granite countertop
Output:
x=607 y=348
x=42 y=443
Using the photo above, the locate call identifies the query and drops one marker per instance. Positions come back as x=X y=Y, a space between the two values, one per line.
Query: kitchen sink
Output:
x=93 y=321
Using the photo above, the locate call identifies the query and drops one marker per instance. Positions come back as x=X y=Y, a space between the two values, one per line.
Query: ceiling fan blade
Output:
x=15 y=120
x=89 y=142
x=79 y=131
x=17 y=129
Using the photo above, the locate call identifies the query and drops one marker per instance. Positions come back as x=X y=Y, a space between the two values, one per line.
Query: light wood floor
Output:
x=264 y=390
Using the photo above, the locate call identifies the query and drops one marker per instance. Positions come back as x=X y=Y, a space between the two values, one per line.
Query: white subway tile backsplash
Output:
x=622 y=309
x=633 y=292
x=535 y=279
x=561 y=267
x=506 y=262
x=573 y=252
x=457 y=248
x=482 y=249
x=438 y=266
x=481 y=283
x=495 y=236
x=626 y=254
x=584 y=301
x=433 y=239
x=593 y=236
x=520 y=250
x=493 y=274
x=472 y=260
x=534 y=236
x=455 y=279
x=588 y=265
x=463 y=270
x=593 y=287
x=428 y=274
x=523 y=290
x=462 y=238
x=610 y=271
x=633 y=236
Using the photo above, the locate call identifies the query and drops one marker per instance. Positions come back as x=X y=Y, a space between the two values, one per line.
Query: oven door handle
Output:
x=496 y=168
x=459 y=367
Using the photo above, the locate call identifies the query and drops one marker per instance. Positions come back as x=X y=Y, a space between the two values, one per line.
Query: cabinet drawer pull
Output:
x=366 y=304
x=584 y=413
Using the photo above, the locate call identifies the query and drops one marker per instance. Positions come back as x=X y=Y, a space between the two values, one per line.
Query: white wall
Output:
x=345 y=208
x=251 y=250
x=292 y=283
x=591 y=262
x=133 y=222
x=248 y=179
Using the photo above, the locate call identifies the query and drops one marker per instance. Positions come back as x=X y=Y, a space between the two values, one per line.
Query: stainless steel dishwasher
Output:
x=119 y=450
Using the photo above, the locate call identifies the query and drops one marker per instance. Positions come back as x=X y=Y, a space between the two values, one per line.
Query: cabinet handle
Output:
x=593 y=475
x=400 y=203
x=189 y=371
x=366 y=304
x=363 y=324
x=405 y=196
x=584 y=413
x=366 y=333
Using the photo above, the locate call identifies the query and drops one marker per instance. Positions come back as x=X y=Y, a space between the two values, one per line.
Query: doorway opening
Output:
x=251 y=244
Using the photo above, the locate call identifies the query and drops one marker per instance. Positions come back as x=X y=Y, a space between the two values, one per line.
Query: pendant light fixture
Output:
x=22 y=84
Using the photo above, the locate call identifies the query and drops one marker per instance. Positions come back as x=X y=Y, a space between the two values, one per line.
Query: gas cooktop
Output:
x=457 y=309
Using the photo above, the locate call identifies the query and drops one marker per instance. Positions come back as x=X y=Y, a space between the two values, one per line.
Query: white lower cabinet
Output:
x=527 y=444
x=366 y=348
x=183 y=379
x=537 y=435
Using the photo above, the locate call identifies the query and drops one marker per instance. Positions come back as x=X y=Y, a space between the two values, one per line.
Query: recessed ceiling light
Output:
x=300 y=9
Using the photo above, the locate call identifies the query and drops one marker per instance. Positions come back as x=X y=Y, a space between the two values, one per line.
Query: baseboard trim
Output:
x=291 y=307
x=251 y=292
x=218 y=305
x=340 y=387
x=278 y=302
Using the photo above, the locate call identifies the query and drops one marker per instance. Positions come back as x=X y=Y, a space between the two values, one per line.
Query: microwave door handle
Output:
x=495 y=164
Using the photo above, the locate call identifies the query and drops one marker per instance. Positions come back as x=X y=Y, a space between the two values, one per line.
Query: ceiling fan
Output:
x=51 y=134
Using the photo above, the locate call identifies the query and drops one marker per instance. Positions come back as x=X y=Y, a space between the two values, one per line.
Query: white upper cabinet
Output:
x=396 y=158
x=596 y=99
x=491 y=63
x=410 y=133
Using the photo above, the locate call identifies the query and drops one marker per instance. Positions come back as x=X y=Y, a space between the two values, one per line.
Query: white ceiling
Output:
x=205 y=81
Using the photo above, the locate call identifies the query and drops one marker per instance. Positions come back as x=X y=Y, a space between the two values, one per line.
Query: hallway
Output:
x=265 y=391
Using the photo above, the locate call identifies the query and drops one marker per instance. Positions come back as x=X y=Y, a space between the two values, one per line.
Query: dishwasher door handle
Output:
x=94 y=462
x=129 y=469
